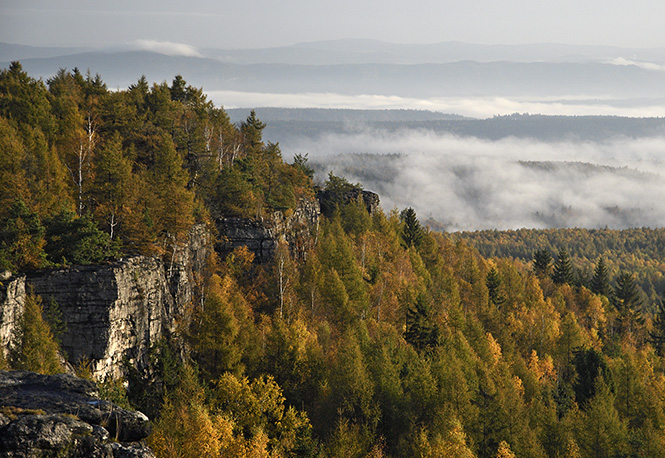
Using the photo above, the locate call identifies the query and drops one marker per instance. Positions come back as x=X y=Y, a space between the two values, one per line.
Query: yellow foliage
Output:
x=495 y=348
x=504 y=451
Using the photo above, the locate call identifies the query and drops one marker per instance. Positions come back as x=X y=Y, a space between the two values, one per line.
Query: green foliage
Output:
x=600 y=283
x=77 y=240
x=657 y=334
x=542 y=260
x=412 y=232
x=21 y=239
x=381 y=338
x=563 y=269
x=35 y=347
x=421 y=331
x=493 y=283
x=590 y=365
x=301 y=163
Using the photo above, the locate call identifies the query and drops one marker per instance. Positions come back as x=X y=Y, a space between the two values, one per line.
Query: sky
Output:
x=269 y=23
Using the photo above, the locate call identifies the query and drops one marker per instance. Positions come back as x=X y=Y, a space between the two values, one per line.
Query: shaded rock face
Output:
x=262 y=237
x=113 y=312
x=62 y=416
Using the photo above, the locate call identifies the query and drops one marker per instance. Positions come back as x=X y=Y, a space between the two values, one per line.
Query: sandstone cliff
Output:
x=113 y=312
x=262 y=237
x=12 y=301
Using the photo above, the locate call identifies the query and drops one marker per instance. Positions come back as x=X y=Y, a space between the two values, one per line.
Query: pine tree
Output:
x=252 y=133
x=600 y=283
x=563 y=269
x=493 y=282
x=541 y=262
x=628 y=303
x=412 y=231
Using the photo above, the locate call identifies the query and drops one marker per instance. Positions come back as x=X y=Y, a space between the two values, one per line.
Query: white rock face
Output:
x=12 y=303
x=112 y=312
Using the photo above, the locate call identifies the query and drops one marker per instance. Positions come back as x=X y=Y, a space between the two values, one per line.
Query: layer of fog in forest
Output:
x=466 y=183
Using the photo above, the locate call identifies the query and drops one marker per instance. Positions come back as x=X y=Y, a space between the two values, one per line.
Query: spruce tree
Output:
x=600 y=283
x=412 y=232
x=493 y=282
x=563 y=269
x=628 y=303
x=421 y=332
x=541 y=262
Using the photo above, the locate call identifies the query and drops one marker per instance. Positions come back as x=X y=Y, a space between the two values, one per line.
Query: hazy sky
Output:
x=265 y=23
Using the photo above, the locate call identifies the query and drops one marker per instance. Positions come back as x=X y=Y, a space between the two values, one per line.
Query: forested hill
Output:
x=384 y=339
x=638 y=251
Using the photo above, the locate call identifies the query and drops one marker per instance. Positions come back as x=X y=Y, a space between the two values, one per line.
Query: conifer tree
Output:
x=493 y=282
x=252 y=133
x=600 y=283
x=21 y=239
x=563 y=269
x=421 y=332
x=113 y=187
x=628 y=302
x=412 y=231
x=541 y=262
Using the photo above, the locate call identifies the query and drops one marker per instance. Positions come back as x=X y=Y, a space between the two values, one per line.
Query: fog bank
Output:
x=471 y=184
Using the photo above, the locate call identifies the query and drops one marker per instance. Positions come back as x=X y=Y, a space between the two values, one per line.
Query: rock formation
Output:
x=63 y=416
x=112 y=313
x=262 y=237
x=12 y=302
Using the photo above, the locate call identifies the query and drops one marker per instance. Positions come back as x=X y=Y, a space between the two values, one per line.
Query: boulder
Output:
x=62 y=415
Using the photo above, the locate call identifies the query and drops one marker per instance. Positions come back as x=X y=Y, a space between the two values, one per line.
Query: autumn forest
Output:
x=381 y=339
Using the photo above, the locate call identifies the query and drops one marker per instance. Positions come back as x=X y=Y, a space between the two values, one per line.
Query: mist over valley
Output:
x=502 y=173
x=435 y=127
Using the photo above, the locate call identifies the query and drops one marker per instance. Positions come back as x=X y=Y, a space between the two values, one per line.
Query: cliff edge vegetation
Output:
x=381 y=339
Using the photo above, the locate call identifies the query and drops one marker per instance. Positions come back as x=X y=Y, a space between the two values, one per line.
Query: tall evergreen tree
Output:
x=412 y=231
x=493 y=282
x=421 y=332
x=563 y=269
x=541 y=262
x=628 y=302
x=600 y=283
x=252 y=132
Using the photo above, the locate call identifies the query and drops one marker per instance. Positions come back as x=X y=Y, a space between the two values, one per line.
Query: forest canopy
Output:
x=385 y=340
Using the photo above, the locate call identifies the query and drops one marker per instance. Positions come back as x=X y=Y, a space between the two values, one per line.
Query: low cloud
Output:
x=644 y=65
x=168 y=48
x=475 y=107
x=472 y=184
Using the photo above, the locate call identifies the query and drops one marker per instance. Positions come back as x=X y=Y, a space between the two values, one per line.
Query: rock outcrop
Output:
x=261 y=237
x=63 y=416
x=112 y=313
x=12 y=302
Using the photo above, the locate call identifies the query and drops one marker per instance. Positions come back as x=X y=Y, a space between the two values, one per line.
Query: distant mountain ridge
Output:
x=355 y=67
x=458 y=79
